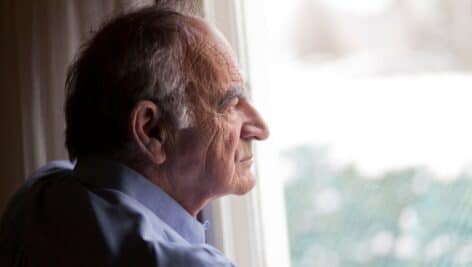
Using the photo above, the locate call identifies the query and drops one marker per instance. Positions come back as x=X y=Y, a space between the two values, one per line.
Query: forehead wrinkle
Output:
x=210 y=43
x=209 y=51
x=225 y=64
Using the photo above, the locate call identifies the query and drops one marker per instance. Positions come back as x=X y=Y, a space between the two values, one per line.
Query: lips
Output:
x=242 y=157
x=245 y=159
x=244 y=154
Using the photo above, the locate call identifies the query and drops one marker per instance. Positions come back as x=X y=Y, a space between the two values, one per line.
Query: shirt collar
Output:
x=111 y=174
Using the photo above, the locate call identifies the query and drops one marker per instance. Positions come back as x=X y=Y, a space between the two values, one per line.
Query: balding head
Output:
x=154 y=54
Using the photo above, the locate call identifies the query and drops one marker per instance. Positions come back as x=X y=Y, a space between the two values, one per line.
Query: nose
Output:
x=254 y=126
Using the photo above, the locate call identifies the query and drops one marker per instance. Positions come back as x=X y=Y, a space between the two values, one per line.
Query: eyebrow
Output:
x=230 y=94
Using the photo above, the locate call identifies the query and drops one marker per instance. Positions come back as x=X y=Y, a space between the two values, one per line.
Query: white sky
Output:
x=376 y=123
x=361 y=6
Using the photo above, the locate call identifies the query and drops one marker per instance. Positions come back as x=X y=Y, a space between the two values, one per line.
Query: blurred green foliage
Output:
x=338 y=217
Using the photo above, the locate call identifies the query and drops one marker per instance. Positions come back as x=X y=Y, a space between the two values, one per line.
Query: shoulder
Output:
x=53 y=167
x=53 y=170
x=196 y=255
x=89 y=225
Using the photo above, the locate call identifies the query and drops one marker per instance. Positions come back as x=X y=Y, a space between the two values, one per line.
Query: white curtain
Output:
x=38 y=40
x=47 y=36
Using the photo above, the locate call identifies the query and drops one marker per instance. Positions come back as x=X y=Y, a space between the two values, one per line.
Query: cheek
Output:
x=225 y=141
x=230 y=141
x=221 y=156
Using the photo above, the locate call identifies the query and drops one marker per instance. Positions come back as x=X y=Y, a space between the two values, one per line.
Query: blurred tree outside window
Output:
x=372 y=129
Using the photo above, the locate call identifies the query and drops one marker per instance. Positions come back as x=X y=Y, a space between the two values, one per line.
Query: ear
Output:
x=144 y=123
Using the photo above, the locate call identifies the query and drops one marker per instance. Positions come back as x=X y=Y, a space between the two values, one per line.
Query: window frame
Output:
x=251 y=230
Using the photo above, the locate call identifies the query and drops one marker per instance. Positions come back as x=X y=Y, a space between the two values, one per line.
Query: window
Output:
x=369 y=161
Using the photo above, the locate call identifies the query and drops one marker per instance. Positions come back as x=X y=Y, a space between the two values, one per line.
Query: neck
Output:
x=187 y=195
x=188 y=198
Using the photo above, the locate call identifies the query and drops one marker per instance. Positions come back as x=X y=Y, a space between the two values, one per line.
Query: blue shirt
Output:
x=100 y=213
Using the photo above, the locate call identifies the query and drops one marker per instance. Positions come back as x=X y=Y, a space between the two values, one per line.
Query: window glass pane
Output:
x=370 y=109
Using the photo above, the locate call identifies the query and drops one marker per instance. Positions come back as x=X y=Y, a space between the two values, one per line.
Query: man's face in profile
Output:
x=214 y=155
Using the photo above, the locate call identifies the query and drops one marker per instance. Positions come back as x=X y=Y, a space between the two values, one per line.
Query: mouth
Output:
x=244 y=154
x=246 y=159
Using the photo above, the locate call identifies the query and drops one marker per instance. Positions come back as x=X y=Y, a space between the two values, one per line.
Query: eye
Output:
x=233 y=103
x=230 y=104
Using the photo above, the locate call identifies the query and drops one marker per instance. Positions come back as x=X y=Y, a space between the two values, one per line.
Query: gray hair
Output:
x=148 y=54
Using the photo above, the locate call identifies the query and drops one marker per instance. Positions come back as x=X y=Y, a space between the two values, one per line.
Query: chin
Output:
x=246 y=184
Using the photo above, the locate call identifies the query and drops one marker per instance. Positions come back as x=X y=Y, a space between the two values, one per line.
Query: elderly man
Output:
x=159 y=125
